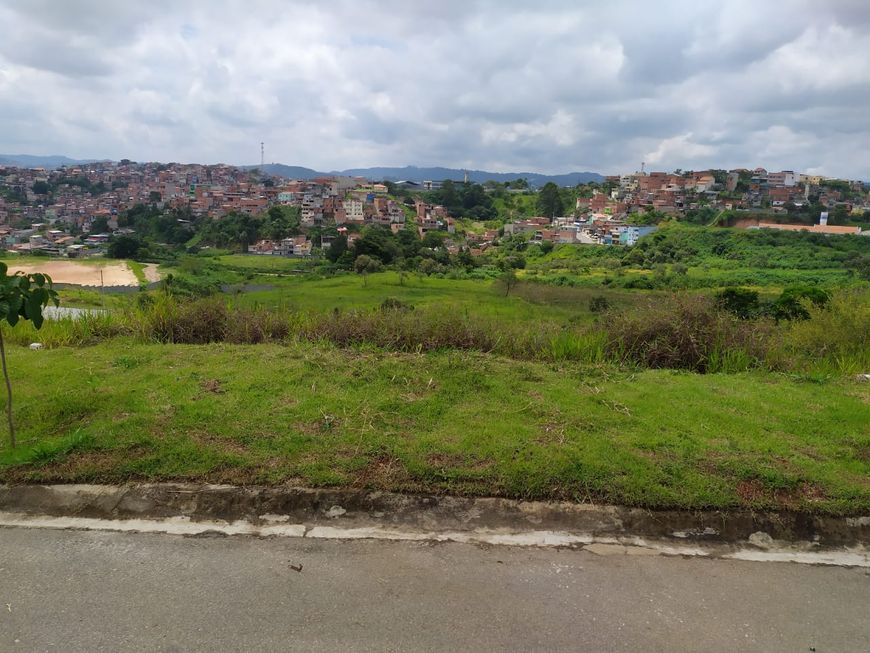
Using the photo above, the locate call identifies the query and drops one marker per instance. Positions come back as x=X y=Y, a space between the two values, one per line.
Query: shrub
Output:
x=196 y=322
x=251 y=327
x=599 y=304
x=395 y=304
x=685 y=332
x=835 y=337
x=742 y=302
x=793 y=303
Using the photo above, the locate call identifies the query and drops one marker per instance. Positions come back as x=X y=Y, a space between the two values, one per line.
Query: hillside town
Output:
x=74 y=211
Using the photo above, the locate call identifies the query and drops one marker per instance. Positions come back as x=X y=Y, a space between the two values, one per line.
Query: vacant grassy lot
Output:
x=443 y=422
x=484 y=298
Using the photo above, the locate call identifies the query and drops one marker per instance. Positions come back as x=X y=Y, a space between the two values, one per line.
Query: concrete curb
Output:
x=382 y=511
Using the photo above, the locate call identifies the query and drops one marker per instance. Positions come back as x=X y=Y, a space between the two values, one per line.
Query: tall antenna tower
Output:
x=642 y=164
x=262 y=154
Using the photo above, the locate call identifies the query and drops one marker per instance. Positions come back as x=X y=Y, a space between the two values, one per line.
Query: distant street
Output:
x=95 y=591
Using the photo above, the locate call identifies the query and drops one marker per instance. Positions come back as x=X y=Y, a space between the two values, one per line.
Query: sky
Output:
x=498 y=85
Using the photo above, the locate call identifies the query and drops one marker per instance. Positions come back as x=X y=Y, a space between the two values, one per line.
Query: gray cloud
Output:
x=549 y=87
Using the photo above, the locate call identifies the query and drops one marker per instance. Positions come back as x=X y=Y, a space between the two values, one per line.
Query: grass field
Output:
x=527 y=302
x=444 y=422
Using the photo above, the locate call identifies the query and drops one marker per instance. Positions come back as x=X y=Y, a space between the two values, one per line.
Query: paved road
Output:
x=96 y=591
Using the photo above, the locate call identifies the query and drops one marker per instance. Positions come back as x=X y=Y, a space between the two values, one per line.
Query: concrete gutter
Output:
x=192 y=509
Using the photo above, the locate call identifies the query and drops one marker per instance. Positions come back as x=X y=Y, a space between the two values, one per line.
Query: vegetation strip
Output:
x=443 y=422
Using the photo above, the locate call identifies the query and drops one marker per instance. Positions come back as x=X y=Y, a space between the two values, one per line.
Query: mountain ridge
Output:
x=375 y=173
x=436 y=173
x=41 y=161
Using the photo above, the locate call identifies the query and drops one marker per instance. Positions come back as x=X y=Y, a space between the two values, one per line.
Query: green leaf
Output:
x=38 y=279
x=14 y=302
x=3 y=269
x=12 y=318
x=4 y=309
x=41 y=295
x=33 y=308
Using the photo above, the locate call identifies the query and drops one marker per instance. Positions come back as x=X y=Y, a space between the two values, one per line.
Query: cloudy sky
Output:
x=540 y=86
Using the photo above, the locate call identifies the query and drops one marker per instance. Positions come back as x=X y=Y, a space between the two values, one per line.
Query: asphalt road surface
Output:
x=96 y=591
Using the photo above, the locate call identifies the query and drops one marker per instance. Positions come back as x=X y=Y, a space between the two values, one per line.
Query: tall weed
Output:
x=686 y=332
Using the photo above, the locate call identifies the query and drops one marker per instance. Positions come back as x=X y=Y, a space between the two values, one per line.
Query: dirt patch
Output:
x=213 y=386
x=445 y=460
x=86 y=274
x=225 y=445
x=383 y=471
x=754 y=492
x=151 y=273
x=87 y=466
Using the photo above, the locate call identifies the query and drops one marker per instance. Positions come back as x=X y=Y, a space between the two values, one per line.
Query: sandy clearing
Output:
x=87 y=274
x=151 y=272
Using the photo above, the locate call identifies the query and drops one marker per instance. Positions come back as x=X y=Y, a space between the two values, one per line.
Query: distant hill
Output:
x=408 y=173
x=289 y=172
x=413 y=173
x=31 y=161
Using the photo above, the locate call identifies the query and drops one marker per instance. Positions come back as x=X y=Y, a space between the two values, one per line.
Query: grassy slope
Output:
x=442 y=422
x=749 y=258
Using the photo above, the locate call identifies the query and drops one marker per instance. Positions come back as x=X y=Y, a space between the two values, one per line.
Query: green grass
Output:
x=260 y=263
x=139 y=270
x=454 y=422
x=527 y=303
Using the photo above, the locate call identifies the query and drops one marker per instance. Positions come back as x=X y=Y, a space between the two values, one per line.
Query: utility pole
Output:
x=262 y=154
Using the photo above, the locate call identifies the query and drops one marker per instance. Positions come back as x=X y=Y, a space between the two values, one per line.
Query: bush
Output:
x=253 y=327
x=196 y=322
x=794 y=301
x=686 y=332
x=742 y=302
x=834 y=338
x=598 y=304
x=395 y=304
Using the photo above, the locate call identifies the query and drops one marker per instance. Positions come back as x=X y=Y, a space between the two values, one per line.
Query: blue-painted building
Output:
x=631 y=233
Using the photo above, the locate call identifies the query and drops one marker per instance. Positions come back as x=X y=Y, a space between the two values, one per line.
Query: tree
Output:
x=124 y=247
x=99 y=225
x=448 y=197
x=550 y=201
x=428 y=266
x=860 y=265
x=508 y=280
x=41 y=187
x=519 y=184
x=336 y=248
x=247 y=228
x=22 y=297
x=365 y=264
x=281 y=222
x=377 y=242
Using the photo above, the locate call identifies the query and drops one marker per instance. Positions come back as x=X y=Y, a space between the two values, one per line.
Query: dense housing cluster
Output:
x=78 y=210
